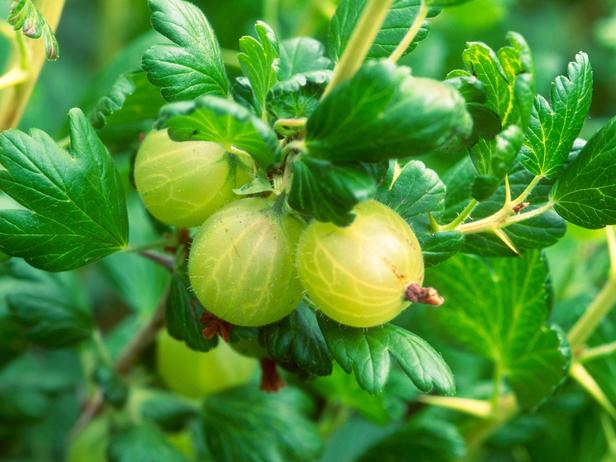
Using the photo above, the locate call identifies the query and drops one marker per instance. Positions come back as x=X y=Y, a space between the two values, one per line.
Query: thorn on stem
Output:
x=502 y=235
x=425 y=295
x=270 y=380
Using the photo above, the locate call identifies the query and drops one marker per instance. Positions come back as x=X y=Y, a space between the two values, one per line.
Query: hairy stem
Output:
x=464 y=214
x=129 y=356
x=422 y=13
x=361 y=40
x=590 y=354
x=13 y=102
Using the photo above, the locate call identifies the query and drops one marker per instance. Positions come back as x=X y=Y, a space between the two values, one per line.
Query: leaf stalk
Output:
x=407 y=40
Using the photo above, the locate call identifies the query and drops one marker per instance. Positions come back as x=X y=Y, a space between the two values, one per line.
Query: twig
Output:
x=163 y=260
x=129 y=356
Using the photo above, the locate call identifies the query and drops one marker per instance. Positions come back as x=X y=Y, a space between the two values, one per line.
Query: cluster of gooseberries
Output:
x=253 y=258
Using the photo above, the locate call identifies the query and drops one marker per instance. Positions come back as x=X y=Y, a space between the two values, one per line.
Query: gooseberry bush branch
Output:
x=282 y=223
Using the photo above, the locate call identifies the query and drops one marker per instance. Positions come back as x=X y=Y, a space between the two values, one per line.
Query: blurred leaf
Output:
x=297 y=341
x=585 y=194
x=366 y=353
x=328 y=191
x=259 y=60
x=167 y=410
x=115 y=390
x=143 y=442
x=301 y=55
x=412 y=116
x=398 y=21
x=274 y=430
x=427 y=439
x=222 y=121
x=497 y=309
x=554 y=128
x=192 y=65
x=495 y=157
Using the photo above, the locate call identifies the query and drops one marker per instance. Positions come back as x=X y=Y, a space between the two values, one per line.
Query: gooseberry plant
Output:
x=291 y=223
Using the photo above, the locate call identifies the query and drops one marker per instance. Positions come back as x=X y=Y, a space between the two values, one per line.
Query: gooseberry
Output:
x=358 y=275
x=241 y=263
x=182 y=184
x=196 y=374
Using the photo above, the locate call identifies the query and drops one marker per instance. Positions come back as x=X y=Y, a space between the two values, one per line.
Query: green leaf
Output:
x=50 y=309
x=412 y=116
x=167 y=410
x=416 y=193
x=297 y=341
x=82 y=186
x=248 y=425
x=507 y=76
x=366 y=353
x=24 y=16
x=328 y=191
x=129 y=108
x=554 y=128
x=299 y=96
x=427 y=438
x=398 y=21
x=497 y=309
x=259 y=61
x=143 y=442
x=222 y=121
x=183 y=315
x=585 y=193
x=301 y=55
x=192 y=64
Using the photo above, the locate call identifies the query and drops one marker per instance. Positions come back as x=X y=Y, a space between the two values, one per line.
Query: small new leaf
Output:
x=297 y=341
x=75 y=209
x=210 y=118
x=259 y=60
x=412 y=116
x=399 y=19
x=328 y=191
x=585 y=193
x=554 y=128
x=192 y=64
x=300 y=55
x=497 y=309
x=299 y=96
x=24 y=16
x=366 y=353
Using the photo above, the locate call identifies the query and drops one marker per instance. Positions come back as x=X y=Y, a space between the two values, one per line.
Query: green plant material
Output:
x=276 y=428
x=301 y=55
x=585 y=194
x=192 y=64
x=329 y=191
x=25 y=17
x=141 y=442
x=413 y=116
x=260 y=63
x=297 y=342
x=497 y=309
x=554 y=128
x=398 y=20
x=82 y=186
x=210 y=118
x=366 y=353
